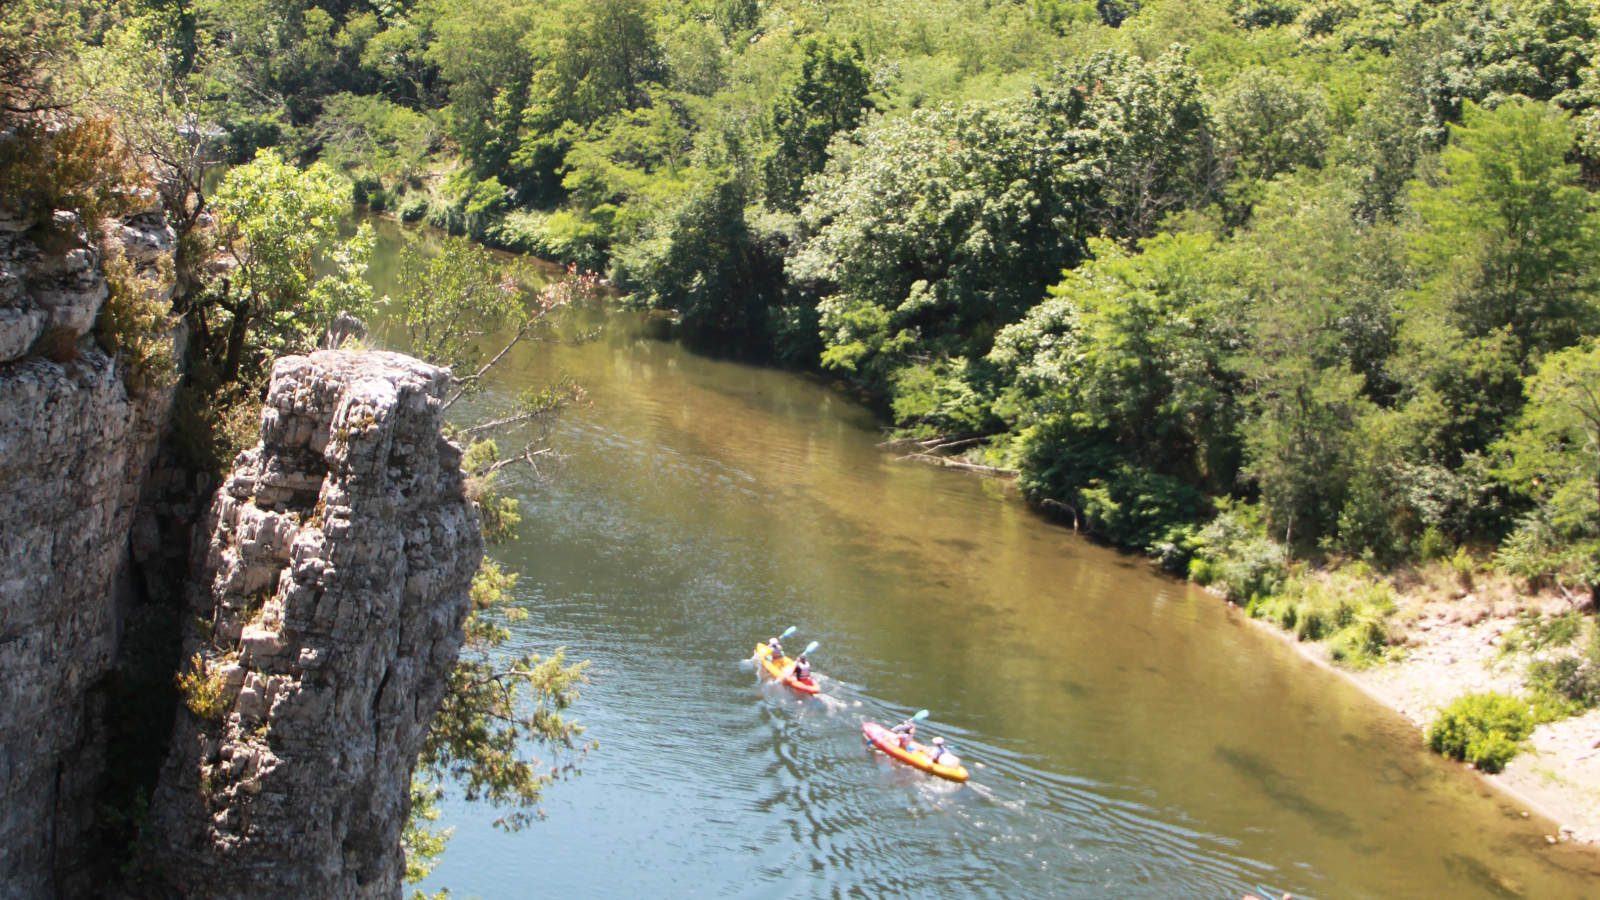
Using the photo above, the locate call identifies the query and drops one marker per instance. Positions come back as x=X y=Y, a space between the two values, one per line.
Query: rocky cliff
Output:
x=74 y=448
x=332 y=581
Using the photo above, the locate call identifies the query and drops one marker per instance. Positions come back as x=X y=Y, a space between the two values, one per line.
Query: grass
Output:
x=1348 y=611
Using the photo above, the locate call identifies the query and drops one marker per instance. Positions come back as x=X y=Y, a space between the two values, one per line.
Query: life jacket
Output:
x=802 y=670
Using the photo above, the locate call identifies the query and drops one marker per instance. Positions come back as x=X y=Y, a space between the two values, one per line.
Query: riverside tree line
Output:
x=1226 y=281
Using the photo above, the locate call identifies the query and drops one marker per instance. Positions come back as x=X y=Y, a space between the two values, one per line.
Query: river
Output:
x=1129 y=736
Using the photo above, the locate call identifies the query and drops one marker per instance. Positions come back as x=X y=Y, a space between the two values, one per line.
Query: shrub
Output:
x=205 y=694
x=1569 y=680
x=413 y=207
x=1432 y=544
x=134 y=324
x=1233 y=552
x=1486 y=730
x=1351 y=614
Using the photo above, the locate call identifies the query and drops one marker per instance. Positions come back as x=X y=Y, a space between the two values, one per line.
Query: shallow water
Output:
x=1129 y=736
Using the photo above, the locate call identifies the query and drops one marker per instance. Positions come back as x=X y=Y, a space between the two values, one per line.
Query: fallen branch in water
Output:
x=1047 y=503
x=937 y=442
x=952 y=464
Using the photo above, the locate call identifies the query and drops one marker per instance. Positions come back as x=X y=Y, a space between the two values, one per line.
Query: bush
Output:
x=1570 y=681
x=205 y=694
x=1486 y=730
x=1350 y=614
x=134 y=324
x=1234 y=553
x=413 y=207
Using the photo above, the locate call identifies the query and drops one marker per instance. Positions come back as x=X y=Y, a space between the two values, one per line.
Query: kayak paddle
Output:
x=788 y=631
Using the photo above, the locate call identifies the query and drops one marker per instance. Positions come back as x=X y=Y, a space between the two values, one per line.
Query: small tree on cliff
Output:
x=466 y=308
x=272 y=221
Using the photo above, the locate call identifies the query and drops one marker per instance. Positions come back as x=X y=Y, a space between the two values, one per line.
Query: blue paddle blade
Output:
x=921 y=714
x=811 y=647
x=790 y=630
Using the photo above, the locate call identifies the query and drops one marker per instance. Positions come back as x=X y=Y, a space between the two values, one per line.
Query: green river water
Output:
x=1129 y=736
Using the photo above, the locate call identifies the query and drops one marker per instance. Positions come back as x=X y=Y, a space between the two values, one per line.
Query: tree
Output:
x=942 y=227
x=1153 y=152
x=1510 y=239
x=271 y=221
x=1122 y=390
x=828 y=94
x=466 y=309
x=1271 y=123
x=702 y=259
x=1554 y=456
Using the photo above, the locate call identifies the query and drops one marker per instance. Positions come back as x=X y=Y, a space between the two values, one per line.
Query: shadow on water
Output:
x=1282 y=790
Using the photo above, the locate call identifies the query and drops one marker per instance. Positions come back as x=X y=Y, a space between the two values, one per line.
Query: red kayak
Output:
x=889 y=742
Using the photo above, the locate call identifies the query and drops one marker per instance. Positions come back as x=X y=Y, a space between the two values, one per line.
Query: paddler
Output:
x=937 y=751
x=802 y=668
x=907 y=731
x=776 y=649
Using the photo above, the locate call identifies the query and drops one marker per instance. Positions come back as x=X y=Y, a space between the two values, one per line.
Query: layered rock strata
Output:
x=74 y=449
x=332 y=582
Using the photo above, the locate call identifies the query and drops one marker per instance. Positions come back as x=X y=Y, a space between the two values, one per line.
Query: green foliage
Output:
x=1349 y=614
x=1554 y=456
x=1509 y=236
x=1121 y=381
x=271 y=220
x=706 y=260
x=421 y=844
x=827 y=95
x=205 y=693
x=1486 y=730
x=1233 y=553
x=135 y=324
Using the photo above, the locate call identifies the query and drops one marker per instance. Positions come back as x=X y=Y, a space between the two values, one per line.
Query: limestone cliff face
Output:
x=74 y=447
x=332 y=579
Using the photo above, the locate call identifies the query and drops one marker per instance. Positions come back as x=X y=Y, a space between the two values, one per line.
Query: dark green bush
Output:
x=1486 y=730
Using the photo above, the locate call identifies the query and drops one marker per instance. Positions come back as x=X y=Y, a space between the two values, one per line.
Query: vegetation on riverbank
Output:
x=1172 y=261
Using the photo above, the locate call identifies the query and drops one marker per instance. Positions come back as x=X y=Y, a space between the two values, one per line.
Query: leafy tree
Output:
x=1271 y=124
x=1153 y=150
x=467 y=309
x=1122 y=387
x=942 y=227
x=828 y=94
x=703 y=259
x=1554 y=456
x=271 y=220
x=1509 y=238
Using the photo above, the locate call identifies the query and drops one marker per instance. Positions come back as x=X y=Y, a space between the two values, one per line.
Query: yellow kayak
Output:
x=782 y=669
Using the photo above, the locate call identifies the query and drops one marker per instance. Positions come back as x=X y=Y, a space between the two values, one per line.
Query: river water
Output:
x=1129 y=736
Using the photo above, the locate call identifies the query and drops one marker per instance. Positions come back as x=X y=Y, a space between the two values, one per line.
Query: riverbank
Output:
x=1452 y=642
x=1449 y=629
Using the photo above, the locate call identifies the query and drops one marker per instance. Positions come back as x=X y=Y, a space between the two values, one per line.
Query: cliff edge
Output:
x=332 y=582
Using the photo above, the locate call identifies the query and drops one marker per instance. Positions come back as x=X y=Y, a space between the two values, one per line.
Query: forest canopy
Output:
x=1326 y=270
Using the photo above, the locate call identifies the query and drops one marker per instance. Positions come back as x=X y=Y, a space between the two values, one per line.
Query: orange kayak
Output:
x=781 y=671
x=889 y=742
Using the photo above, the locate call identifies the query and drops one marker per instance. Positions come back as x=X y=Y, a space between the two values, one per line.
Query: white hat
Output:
x=938 y=740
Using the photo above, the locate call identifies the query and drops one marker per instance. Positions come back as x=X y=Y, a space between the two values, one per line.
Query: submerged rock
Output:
x=332 y=578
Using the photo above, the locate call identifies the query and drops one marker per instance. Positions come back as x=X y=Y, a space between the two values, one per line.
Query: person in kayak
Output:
x=776 y=648
x=907 y=731
x=802 y=669
x=936 y=750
